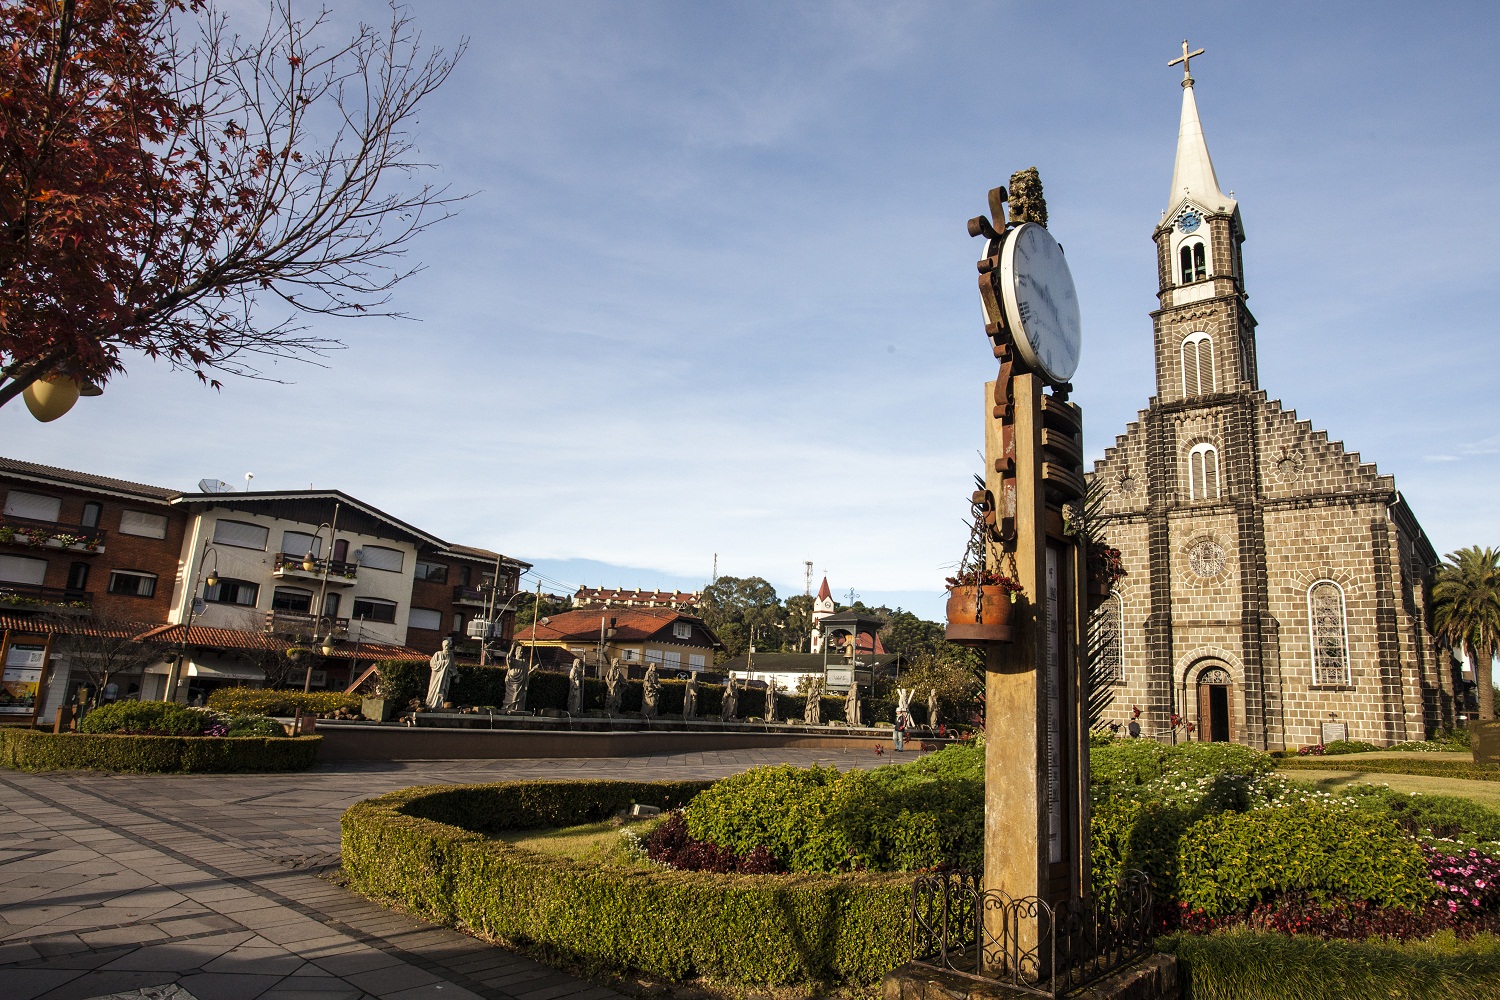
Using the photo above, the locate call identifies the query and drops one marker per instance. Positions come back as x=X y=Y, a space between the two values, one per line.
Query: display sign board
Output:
x=839 y=677
x=21 y=678
x=1333 y=731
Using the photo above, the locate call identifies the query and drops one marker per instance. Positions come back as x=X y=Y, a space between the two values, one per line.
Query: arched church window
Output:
x=1330 y=634
x=1107 y=641
x=1200 y=265
x=1203 y=473
x=1198 y=375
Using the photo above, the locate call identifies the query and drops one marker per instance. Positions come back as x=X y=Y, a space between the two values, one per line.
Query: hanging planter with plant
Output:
x=1106 y=568
x=980 y=597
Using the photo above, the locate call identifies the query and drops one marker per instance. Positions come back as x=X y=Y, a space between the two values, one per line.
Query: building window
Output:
x=431 y=572
x=464 y=576
x=630 y=655
x=1107 y=641
x=240 y=535
x=653 y=656
x=78 y=576
x=32 y=506
x=291 y=599
x=1330 y=634
x=1194 y=262
x=331 y=605
x=682 y=630
x=300 y=543
x=672 y=659
x=241 y=592
x=425 y=618
x=1203 y=473
x=132 y=583
x=372 y=609
x=1198 y=375
x=138 y=522
x=380 y=557
x=23 y=569
x=696 y=661
x=91 y=512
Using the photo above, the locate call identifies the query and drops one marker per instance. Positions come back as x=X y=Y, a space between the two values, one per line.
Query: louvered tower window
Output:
x=1203 y=473
x=1198 y=375
x=1330 y=634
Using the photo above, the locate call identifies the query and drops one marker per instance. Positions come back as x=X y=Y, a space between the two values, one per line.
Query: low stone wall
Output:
x=385 y=742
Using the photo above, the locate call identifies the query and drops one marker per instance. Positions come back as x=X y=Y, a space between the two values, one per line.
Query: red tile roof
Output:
x=200 y=636
x=85 y=480
x=582 y=624
x=605 y=597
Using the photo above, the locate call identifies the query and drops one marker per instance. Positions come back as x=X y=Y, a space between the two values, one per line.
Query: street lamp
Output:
x=174 y=673
x=310 y=563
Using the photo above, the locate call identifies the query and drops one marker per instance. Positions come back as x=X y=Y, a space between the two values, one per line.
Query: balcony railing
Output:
x=302 y=623
x=480 y=596
x=340 y=573
x=30 y=595
x=49 y=534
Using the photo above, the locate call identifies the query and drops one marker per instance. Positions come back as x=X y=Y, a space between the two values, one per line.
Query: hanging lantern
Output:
x=328 y=646
x=49 y=398
x=309 y=562
x=213 y=578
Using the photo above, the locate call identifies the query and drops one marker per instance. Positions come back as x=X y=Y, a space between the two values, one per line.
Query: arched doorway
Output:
x=1214 y=684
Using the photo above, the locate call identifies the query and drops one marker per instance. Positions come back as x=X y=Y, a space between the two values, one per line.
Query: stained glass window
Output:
x=1330 y=641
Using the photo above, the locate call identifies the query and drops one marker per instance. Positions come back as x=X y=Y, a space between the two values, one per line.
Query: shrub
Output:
x=254 y=725
x=1227 y=862
x=276 y=701
x=1444 y=817
x=29 y=750
x=1195 y=760
x=147 y=718
x=1126 y=762
x=1466 y=884
x=1336 y=747
x=671 y=844
x=1398 y=765
x=413 y=847
x=787 y=810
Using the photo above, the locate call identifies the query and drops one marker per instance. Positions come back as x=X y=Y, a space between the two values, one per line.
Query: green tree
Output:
x=797 y=617
x=958 y=684
x=529 y=609
x=749 y=602
x=1466 y=613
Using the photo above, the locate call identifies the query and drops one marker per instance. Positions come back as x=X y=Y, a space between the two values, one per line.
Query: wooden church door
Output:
x=1213 y=706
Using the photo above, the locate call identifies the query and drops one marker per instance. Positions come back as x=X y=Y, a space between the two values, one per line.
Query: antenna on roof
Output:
x=214 y=486
x=248 y=476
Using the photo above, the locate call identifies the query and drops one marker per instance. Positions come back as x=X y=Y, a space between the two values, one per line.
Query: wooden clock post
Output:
x=1036 y=754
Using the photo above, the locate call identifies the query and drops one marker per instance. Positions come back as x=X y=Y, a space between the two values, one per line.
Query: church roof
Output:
x=1193 y=176
x=823 y=592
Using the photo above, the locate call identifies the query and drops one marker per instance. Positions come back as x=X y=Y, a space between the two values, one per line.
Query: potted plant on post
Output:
x=1106 y=568
x=980 y=597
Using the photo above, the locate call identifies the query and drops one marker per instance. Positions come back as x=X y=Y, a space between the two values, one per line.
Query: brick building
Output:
x=224 y=581
x=1276 y=583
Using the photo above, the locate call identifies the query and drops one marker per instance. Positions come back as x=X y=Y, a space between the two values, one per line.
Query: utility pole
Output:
x=807 y=586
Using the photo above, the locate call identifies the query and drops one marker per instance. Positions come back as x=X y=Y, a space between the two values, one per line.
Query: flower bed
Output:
x=427 y=849
x=29 y=750
x=273 y=701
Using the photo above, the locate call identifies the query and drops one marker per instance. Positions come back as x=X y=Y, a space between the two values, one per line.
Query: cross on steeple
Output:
x=1187 y=77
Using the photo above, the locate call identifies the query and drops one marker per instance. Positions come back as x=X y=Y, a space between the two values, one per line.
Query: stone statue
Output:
x=730 y=706
x=903 y=707
x=442 y=675
x=614 y=688
x=813 y=713
x=932 y=709
x=771 y=700
x=690 y=697
x=851 y=705
x=517 y=680
x=575 y=688
x=650 y=692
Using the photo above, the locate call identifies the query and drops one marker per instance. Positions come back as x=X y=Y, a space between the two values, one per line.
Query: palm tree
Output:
x=1466 y=613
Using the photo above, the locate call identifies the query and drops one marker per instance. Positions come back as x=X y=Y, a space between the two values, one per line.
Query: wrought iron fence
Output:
x=1026 y=943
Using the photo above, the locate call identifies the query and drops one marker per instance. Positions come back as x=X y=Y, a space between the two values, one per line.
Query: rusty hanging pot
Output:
x=977 y=615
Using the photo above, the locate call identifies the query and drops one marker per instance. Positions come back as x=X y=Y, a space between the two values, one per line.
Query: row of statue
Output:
x=518 y=680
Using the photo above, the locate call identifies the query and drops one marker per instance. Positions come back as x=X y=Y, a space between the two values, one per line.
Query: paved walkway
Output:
x=210 y=884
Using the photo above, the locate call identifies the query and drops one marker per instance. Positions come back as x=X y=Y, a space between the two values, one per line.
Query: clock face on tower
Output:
x=1041 y=304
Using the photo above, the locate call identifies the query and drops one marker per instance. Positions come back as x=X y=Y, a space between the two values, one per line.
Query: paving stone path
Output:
x=207 y=887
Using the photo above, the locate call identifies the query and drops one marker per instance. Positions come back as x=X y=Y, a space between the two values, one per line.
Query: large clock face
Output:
x=1041 y=304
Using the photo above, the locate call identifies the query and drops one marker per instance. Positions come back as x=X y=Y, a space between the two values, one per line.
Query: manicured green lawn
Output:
x=1485 y=793
x=602 y=842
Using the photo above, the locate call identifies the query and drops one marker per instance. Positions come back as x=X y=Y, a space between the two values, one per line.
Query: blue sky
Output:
x=713 y=292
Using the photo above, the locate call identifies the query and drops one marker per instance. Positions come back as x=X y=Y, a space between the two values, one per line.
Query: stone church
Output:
x=1276 y=582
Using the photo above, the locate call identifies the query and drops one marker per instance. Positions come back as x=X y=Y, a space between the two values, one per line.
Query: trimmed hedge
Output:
x=1255 y=965
x=274 y=701
x=29 y=750
x=1394 y=765
x=426 y=849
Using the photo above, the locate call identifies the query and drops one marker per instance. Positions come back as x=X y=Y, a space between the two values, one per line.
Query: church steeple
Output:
x=1205 y=336
x=1193 y=173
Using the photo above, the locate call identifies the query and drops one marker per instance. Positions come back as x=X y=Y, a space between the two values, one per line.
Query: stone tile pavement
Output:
x=208 y=885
